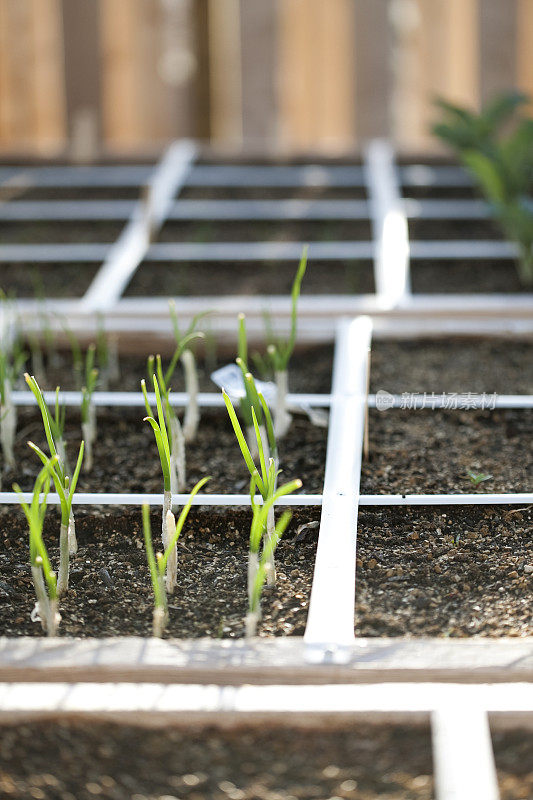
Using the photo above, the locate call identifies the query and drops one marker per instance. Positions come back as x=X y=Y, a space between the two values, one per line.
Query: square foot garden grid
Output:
x=354 y=216
x=321 y=658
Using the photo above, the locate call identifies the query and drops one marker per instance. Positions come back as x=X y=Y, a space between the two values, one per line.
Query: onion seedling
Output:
x=158 y=563
x=88 y=409
x=11 y=362
x=267 y=472
x=159 y=428
x=258 y=562
x=177 y=462
x=280 y=352
x=188 y=362
x=106 y=355
x=44 y=579
x=64 y=485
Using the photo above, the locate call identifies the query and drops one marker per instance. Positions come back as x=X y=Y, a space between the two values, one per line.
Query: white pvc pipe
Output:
x=148 y=215
x=462 y=754
x=136 y=399
x=389 y=224
x=103 y=498
x=330 y=622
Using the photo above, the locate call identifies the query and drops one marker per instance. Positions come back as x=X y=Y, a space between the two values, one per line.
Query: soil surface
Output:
x=310 y=368
x=76 y=761
x=455 y=364
x=445 y=571
x=424 y=451
x=60 y=232
x=126 y=457
x=65 y=279
x=513 y=753
x=205 y=278
x=266 y=231
x=110 y=593
x=471 y=276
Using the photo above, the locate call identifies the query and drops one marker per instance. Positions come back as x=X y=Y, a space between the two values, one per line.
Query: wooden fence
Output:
x=84 y=77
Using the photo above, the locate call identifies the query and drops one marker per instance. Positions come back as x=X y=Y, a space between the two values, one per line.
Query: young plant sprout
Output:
x=267 y=473
x=177 y=462
x=476 y=478
x=88 y=409
x=159 y=428
x=106 y=355
x=64 y=485
x=11 y=363
x=188 y=362
x=250 y=400
x=259 y=560
x=159 y=563
x=44 y=579
x=57 y=426
x=77 y=357
x=280 y=352
x=496 y=148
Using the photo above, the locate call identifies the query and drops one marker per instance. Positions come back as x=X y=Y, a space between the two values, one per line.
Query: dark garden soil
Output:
x=310 y=369
x=446 y=571
x=58 y=280
x=454 y=364
x=266 y=231
x=81 y=761
x=453 y=276
x=60 y=232
x=126 y=459
x=311 y=192
x=513 y=753
x=424 y=451
x=205 y=278
x=79 y=193
x=110 y=592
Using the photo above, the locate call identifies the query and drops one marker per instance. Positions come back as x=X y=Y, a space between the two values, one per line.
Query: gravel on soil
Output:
x=81 y=761
x=444 y=571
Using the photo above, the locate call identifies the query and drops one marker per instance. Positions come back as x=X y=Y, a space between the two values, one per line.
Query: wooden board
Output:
x=264 y=661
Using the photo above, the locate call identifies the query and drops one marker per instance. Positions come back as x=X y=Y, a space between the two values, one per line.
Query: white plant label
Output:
x=230 y=379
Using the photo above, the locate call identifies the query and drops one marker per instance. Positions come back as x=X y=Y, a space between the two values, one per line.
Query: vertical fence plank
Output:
x=17 y=107
x=373 y=70
x=48 y=80
x=121 y=112
x=524 y=52
x=498 y=40
x=258 y=36
x=435 y=54
x=225 y=72
x=316 y=74
x=81 y=48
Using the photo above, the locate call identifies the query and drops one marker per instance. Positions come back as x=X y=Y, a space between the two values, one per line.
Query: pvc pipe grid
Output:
x=390 y=252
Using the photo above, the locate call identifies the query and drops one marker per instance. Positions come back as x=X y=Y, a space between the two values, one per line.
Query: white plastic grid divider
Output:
x=463 y=759
x=330 y=621
x=231 y=175
x=258 y=251
x=235 y=210
x=214 y=400
x=147 y=217
x=389 y=224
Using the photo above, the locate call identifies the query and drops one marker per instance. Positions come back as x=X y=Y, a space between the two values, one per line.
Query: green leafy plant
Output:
x=260 y=558
x=44 y=579
x=87 y=408
x=65 y=485
x=158 y=564
x=496 y=147
x=476 y=478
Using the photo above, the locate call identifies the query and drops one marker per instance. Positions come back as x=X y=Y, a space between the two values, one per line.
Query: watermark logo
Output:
x=466 y=401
